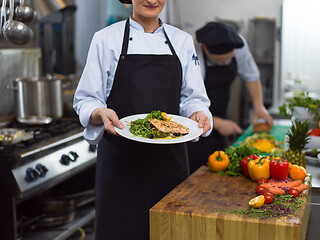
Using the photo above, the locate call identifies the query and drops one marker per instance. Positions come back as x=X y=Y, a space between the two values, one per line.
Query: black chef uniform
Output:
x=133 y=176
x=219 y=38
x=218 y=82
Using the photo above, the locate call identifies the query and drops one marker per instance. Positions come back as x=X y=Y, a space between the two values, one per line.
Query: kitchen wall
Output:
x=90 y=17
x=301 y=45
x=196 y=15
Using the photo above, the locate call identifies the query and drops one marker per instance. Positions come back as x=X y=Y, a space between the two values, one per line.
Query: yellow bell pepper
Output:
x=259 y=168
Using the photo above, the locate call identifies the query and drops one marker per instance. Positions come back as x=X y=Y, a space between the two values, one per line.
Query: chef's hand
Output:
x=262 y=112
x=226 y=127
x=202 y=119
x=108 y=118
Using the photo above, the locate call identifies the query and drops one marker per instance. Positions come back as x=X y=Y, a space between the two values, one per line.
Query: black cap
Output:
x=219 y=38
x=126 y=1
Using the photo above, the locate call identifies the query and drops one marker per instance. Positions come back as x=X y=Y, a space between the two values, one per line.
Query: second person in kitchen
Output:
x=223 y=54
x=137 y=66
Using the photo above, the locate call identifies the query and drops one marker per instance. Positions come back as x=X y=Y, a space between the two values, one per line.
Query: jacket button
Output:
x=130 y=38
x=122 y=57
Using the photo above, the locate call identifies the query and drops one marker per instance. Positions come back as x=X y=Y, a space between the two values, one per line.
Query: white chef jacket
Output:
x=103 y=56
x=246 y=66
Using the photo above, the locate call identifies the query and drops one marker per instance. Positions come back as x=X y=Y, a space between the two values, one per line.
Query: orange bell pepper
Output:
x=218 y=161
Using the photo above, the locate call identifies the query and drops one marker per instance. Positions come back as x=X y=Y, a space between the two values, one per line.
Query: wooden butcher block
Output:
x=199 y=209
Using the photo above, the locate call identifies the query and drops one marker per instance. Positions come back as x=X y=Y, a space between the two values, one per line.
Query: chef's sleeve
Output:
x=193 y=93
x=247 y=67
x=91 y=90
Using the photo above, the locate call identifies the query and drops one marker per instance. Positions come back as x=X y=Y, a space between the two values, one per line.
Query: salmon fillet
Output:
x=168 y=126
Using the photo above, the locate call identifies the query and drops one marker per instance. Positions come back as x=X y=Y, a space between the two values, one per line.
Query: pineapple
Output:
x=297 y=138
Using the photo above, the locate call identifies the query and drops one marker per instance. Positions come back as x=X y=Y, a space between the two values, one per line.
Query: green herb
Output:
x=142 y=127
x=314 y=151
x=236 y=154
x=282 y=206
x=301 y=100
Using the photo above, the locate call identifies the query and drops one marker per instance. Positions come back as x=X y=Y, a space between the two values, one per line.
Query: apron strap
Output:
x=169 y=43
x=125 y=41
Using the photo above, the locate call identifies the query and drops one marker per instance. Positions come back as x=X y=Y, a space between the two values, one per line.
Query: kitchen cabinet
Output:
x=261 y=41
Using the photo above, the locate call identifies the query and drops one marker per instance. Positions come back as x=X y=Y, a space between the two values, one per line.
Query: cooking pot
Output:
x=38 y=96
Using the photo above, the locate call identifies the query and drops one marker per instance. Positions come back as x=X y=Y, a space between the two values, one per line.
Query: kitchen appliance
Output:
x=56 y=37
x=38 y=96
x=23 y=62
x=56 y=159
x=46 y=7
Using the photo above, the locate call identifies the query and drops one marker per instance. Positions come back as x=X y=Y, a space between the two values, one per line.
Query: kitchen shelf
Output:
x=83 y=217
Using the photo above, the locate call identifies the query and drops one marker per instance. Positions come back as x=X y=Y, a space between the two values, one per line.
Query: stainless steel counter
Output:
x=313 y=168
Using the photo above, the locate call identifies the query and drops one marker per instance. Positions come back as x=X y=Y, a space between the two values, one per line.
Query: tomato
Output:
x=268 y=197
x=260 y=190
x=294 y=192
x=271 y=180
x=261 y=181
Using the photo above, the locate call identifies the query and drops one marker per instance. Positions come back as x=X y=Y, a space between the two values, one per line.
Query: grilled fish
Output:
x=168 y=126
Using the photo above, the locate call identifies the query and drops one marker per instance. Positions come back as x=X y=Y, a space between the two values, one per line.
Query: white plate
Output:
x=194 y=130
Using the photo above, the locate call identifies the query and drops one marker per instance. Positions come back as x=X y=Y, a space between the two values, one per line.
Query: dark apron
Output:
x=218 y=82
x=132 y=176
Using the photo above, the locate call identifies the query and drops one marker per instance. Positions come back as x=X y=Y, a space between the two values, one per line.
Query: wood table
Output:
x=198 y=209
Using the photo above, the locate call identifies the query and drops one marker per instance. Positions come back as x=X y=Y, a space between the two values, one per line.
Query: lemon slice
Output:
x=257 y=202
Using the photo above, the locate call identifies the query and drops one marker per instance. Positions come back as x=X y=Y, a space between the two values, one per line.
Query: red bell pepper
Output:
x=244 y=164
x=279 y=169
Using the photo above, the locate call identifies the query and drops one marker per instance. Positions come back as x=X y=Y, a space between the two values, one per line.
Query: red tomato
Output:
x=271 y=180
x=261 y=181
x=294 y=192
x=260 y=190
x=268 y=197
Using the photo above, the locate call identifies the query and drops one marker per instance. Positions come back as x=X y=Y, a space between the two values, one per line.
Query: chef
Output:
x=223 y=54
x=137 y=66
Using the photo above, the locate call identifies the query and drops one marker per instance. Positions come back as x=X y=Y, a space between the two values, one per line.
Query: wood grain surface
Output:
x=197 y=209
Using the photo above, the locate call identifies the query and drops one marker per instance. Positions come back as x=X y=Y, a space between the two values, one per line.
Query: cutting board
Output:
x=198 y=209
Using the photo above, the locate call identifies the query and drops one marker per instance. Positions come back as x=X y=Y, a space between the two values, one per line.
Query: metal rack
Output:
x=83 y=217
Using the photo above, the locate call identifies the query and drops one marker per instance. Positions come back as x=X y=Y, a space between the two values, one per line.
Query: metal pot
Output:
x=38 y=96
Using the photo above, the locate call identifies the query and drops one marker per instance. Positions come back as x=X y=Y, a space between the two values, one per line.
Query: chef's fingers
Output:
x=237 y=129
x=110 y=119
x=203 y=120
x=206 y=126
x=262 y=113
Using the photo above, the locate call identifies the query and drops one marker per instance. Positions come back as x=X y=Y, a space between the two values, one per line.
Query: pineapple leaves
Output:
x=298 y=135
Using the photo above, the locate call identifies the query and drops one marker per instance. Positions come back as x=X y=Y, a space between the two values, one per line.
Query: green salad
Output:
x=143 y=128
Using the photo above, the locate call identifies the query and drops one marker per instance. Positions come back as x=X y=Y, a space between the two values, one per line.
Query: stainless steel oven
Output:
x=47 y=180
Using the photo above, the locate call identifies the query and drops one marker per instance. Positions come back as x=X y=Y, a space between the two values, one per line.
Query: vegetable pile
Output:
x=265 y=142
x=236 y=154
x=275 y=177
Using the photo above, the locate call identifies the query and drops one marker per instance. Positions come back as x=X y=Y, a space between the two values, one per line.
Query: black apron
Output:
x=218 y=82
x=132 y=176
